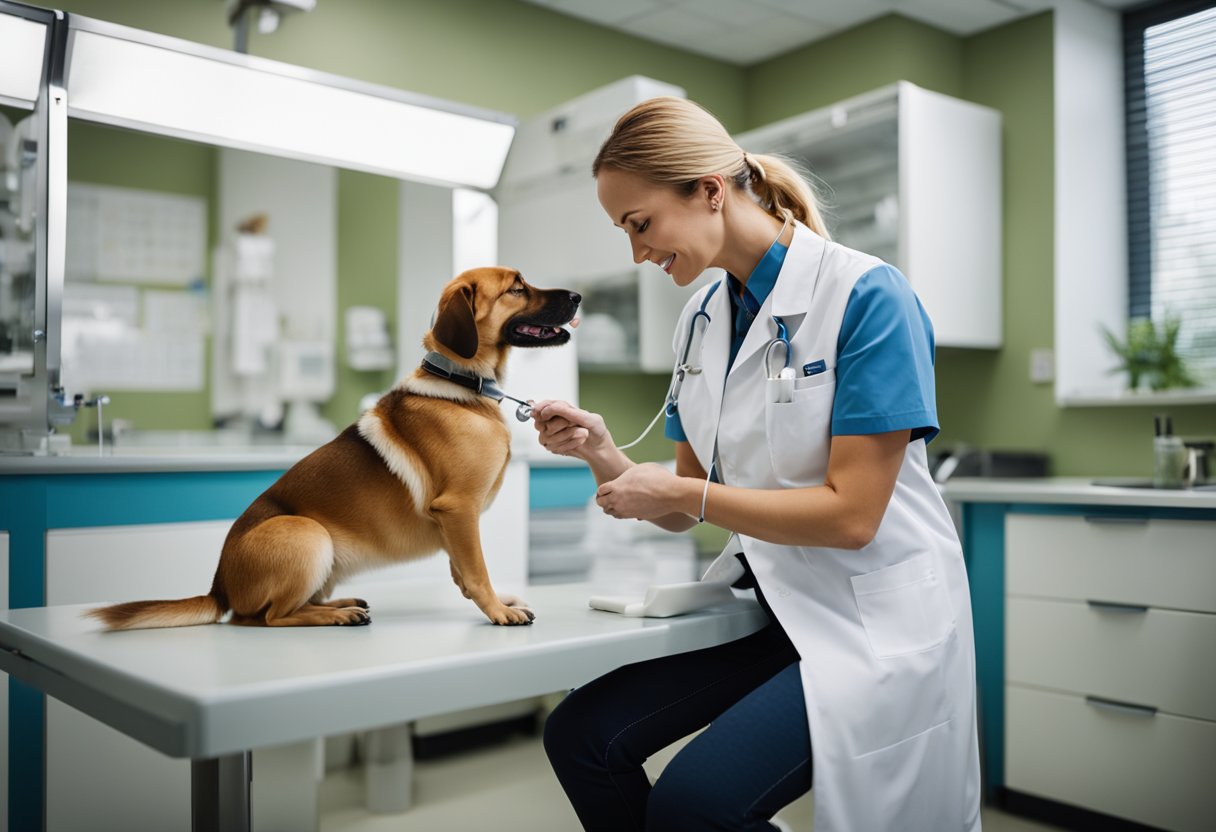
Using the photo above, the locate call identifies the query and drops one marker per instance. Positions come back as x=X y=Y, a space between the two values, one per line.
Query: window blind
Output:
x=1170 y=66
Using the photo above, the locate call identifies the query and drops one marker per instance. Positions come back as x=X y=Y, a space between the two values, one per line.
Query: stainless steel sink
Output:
x=1133 y=482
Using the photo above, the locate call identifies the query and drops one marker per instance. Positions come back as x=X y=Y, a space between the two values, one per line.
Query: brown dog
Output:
x=411 y=477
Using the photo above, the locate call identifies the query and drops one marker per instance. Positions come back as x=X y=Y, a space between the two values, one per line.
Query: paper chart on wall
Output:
x=135 y=236
x=124 y=338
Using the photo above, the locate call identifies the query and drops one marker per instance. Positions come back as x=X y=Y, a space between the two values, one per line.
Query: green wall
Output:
x=522 y=59
x=858 y=60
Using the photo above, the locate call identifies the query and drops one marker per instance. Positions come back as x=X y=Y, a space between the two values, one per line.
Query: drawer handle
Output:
x=1109 y=606
x=1121 y=707
x=1116 y=519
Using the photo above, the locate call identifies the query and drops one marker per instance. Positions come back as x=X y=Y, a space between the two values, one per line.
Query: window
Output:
x=1170 y=68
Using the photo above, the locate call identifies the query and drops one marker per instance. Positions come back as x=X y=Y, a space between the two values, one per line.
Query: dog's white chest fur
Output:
x=401 y=461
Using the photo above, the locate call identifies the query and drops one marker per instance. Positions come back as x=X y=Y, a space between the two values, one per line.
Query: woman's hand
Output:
x=566 y=430
x=643 y=492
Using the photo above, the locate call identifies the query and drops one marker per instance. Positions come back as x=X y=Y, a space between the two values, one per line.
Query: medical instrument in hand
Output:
x=438 y=365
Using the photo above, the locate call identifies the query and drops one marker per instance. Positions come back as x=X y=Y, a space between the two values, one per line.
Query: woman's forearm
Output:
x=607 y=464
x=610 y=463
x=814 y=516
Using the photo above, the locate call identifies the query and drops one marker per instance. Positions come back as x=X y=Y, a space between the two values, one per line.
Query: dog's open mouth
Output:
x=521 y=334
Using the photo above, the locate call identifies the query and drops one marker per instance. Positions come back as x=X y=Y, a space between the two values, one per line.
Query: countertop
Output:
x=139 y=459
x=1073 y=490
x=202 y=451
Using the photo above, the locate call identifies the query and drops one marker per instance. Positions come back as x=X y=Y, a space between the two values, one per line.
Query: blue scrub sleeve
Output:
x=673 y=428
x=884 y=360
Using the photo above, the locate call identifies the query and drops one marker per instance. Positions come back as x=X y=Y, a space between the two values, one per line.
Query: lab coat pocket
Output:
x=799 y=430
x=904 y=608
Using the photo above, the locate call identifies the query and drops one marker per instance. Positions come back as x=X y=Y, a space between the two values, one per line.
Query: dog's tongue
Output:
x=574 y=323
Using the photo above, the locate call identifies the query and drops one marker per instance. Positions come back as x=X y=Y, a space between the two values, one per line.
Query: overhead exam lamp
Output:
x=270 y=14
x=130 y=78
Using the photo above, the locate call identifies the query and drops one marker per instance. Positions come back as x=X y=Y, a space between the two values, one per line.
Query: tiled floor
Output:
x=509 y=788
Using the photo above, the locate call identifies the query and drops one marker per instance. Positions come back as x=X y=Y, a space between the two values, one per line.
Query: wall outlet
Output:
x=1042 y=365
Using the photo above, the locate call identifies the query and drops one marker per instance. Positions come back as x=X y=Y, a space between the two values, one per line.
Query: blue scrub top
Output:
x=884 y=353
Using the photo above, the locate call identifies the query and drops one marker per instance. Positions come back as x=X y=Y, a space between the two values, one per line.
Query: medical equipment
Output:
x=684 y=368
x=666 y=600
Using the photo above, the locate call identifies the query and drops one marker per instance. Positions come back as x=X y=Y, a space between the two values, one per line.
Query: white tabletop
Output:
x=206 y=691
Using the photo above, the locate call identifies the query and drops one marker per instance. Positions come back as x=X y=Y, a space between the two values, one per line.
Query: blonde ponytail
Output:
x=783 y=191
x=675 y=142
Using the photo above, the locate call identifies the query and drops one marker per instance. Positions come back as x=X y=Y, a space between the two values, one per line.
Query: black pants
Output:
x=754 y=757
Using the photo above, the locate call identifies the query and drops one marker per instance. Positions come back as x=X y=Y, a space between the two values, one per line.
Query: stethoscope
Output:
x=684 y=368
x=693 y=346
x=697 y=327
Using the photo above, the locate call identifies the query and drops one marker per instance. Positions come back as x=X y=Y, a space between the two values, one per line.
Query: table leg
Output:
x=390 y=769
x=219 y=793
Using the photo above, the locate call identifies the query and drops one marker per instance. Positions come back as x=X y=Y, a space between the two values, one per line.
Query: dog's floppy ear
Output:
x=455 y=327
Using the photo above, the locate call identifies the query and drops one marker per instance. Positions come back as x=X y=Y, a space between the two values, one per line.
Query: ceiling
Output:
x=744 y=32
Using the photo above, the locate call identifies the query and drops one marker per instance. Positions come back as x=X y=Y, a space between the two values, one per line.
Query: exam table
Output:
x=214 y=693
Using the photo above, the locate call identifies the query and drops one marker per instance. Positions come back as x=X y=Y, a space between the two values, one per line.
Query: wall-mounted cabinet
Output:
x=913 y=177
x=556 y=233
x=552 y=228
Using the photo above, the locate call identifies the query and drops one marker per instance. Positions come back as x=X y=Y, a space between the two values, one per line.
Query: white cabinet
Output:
x=552 y=228
x=1110 y=665
x=913 y=177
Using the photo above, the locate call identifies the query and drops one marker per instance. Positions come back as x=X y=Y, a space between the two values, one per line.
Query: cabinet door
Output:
x=1150 y=562
x=1155 y=769
x=950 y=213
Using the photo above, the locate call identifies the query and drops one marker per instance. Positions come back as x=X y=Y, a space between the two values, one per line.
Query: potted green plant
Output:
x=1150 y=354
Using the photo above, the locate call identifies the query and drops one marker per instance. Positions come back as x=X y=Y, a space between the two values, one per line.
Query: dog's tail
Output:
x=139 y=615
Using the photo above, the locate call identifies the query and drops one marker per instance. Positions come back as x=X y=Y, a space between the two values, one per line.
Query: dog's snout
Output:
x=576 y=298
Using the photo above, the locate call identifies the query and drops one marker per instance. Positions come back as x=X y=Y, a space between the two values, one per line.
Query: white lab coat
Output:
x=884 y=632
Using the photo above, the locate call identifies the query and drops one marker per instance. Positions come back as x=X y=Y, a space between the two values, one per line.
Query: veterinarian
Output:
x=863 y=684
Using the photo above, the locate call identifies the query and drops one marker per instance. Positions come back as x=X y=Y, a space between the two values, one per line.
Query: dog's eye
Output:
x=517 y=290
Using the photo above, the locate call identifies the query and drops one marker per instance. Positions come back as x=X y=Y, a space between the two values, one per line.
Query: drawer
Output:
x=1159 y=563
x=1162 y=658
x=1155 y=770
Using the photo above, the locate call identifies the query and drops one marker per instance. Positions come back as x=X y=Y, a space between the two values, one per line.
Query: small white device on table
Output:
x=213 y=693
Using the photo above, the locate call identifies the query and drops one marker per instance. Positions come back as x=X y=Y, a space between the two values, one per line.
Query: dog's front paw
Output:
x=511 y=615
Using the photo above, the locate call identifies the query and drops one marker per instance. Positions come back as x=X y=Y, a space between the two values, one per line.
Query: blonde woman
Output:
x=804 y=434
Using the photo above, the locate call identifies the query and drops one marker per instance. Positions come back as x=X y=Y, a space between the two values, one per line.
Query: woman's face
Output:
x=681 y=235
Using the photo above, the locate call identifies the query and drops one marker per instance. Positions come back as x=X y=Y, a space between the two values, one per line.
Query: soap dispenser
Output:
x=1169 y=455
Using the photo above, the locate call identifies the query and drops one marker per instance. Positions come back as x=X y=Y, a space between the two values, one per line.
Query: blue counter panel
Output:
x=560 y=487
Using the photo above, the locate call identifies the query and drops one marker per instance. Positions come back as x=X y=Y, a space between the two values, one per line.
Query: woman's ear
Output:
x=455 y=327
x=712 y=189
